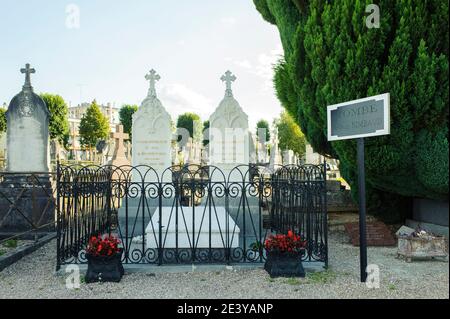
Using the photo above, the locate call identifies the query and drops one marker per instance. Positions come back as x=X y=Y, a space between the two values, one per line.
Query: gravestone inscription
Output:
x=152 y=134
x=228 y=134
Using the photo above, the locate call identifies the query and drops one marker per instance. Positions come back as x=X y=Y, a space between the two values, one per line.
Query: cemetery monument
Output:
x=28 y=157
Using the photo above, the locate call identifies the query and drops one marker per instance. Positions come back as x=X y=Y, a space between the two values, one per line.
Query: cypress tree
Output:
x=331 y=56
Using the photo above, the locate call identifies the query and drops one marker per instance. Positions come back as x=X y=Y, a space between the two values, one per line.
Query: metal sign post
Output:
x=356 y=120
x=362 y=209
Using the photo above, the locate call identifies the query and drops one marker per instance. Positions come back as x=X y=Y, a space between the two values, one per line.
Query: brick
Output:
x=378 y=234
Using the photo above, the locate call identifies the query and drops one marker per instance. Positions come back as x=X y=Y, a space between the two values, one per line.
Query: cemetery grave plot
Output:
x=227 y=224
x=26 y=192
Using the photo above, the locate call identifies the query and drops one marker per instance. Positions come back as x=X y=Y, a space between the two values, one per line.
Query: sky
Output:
x=102 y=49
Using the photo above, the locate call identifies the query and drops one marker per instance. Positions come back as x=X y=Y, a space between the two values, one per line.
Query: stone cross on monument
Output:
x=152 y=77
x=27 y=71
x=27 y=149
x=119 y=157
x=228 y=78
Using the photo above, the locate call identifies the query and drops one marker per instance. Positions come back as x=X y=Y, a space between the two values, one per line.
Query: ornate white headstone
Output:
x=275 y=156
x=27 y=130
x=192 y=152
x=152 y=134
x=288 y=157
x=229 y=134
x=253 y=156
x=312 y=157
x=151 y=147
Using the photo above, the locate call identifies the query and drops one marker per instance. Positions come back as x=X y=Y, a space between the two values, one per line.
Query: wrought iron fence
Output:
x=300 y=204
x=190 y=214
x=83 y=208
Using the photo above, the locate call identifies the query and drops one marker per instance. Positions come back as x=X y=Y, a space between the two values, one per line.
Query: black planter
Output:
x=104 y=269
x=282 y=264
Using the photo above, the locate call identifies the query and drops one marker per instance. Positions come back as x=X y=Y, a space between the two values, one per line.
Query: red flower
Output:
x=106 y=245
x=285 y=243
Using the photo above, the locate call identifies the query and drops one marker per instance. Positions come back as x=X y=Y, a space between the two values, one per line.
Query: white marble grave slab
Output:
x=200 y=234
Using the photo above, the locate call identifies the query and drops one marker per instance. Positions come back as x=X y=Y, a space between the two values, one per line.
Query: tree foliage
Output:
x=94 y=126
x=263 y=124
x=126 y=117
x=290 y=137
x=59 y=117
x=188 y=121
x=2 y=120
x=330 y=56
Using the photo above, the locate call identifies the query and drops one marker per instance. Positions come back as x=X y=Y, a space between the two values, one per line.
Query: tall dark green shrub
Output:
x=126 y=117
x=330 y=56
x=188 y=121
x=263 y=125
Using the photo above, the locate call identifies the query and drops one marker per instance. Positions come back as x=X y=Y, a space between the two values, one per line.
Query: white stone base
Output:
x=201 y=230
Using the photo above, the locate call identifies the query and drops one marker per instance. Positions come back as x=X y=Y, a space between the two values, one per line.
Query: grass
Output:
x=293 y=281
x=392 y=287
x=2 y=252
x=11 y=243
x=322 y=277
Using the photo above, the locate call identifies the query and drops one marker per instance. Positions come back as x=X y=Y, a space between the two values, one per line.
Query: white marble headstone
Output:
x=229 y=134
x=276 y=159
x=152 y=135
x=288 y=157
x=192 y=152
x=312 y=157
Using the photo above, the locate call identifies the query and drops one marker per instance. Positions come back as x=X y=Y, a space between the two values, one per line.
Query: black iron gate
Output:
x=190 y=214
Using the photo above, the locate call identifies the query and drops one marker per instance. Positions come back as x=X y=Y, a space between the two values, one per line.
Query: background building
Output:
x=75 y=151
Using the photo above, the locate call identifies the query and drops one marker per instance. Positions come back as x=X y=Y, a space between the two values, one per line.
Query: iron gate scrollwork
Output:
x=190 y=214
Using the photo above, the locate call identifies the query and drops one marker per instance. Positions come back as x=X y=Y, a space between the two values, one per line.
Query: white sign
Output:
x=359 y=118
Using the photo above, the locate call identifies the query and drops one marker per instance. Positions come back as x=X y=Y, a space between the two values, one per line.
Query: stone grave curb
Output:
x=13 y=256
x=171 y=269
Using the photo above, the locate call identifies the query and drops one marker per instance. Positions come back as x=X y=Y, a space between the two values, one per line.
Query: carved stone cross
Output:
x=27 y=71
x=152 y=77
x=119 y=157
x=228 y=78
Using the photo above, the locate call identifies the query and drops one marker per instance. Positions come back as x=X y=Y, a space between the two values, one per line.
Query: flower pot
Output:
x=104 y=269
x=284 y=264
x=416 y=247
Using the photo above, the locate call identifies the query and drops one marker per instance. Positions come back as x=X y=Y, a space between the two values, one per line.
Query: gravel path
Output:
x=34 y=277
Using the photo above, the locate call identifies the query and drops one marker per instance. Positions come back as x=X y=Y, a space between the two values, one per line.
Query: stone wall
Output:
x=430 y=215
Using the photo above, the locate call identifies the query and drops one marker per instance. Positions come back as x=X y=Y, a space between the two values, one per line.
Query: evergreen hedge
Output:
x=331 y=56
